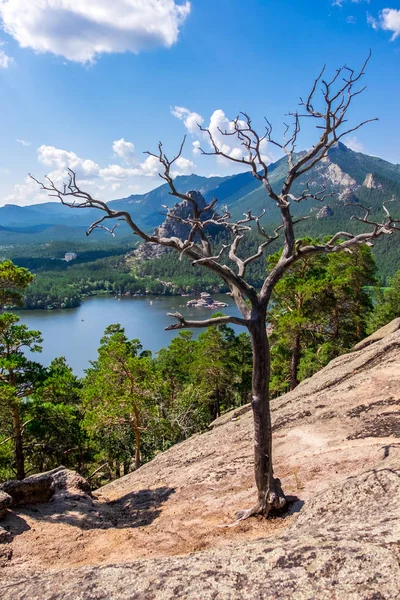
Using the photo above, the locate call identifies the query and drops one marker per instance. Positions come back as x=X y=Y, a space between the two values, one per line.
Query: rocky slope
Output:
x=163 y=532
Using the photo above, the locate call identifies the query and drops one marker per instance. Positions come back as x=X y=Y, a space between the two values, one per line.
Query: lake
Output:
x=75 y=333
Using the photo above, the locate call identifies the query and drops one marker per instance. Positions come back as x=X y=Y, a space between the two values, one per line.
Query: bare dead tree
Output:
x=336 y=98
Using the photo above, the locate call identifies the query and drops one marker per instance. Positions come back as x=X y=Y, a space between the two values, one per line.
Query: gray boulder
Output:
x=59 y=483
x=32 y=490
x=5 y=502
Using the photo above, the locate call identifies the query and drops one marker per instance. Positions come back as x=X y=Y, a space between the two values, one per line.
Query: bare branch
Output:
x=71 y=195
x=184 y=324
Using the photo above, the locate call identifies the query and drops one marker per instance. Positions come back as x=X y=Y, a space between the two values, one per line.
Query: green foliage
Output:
x=202 y=378
x=13 y=281
x=54 y=434
x=19 y=377
x=320 y=310
x=64 y=289
x=387 y=305
x=119 y=392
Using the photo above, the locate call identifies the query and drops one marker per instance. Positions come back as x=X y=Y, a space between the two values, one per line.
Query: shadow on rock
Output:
x=14 y=525
x=137 y=509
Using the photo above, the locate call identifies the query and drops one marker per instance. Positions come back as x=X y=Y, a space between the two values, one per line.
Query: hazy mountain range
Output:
x=352 y=176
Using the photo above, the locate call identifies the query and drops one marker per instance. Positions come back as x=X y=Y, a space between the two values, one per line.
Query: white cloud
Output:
x=196 y=147
x=25 y=193
x=388 y=20
x=5 y=60
x=116 y=172
x=149 y=167
x=23 y=142
x=124 y=150
x=341 y=2
x=99 y=181
x=183 y=166
x=191 y=120
x=230 y=145
x=61 y=159
x=354 y=144
x=218 y=125
x=81 y=30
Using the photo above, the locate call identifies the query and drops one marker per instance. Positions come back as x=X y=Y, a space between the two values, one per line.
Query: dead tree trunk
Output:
x=18 y=445
x=270 y=494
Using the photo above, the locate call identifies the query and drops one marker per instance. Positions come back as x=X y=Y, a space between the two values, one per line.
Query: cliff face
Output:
x=336 y=448
x=173 y=227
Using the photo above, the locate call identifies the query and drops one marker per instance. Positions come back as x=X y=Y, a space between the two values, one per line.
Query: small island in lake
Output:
x=206 y=301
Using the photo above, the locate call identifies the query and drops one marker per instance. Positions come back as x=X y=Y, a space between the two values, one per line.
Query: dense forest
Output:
x=131 y=405
x=112 y=269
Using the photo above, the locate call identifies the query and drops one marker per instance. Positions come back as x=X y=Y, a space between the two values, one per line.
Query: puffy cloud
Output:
x=124 y=150
x=191 y=120
x=219 y=125
x=354 y=144
x=116 y=172
x=82 y=30
x=24 y=193
x=61 y=159
x=23 y=142
x=196 y=147
x=5 y=60
x=183 y=166
x=148 y=168
x=99 y=181
x=388 y=20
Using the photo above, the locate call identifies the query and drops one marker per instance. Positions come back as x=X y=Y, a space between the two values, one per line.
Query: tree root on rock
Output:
x=273 y=501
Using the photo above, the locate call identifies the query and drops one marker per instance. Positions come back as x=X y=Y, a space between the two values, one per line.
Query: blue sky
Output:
x=94 y=83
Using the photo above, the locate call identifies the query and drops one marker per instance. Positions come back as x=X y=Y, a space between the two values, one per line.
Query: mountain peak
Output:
x=339 y=147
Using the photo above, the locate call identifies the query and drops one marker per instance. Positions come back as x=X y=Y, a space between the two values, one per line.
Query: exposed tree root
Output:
x=273 y=500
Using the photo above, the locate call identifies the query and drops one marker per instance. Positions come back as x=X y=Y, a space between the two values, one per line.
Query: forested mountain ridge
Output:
x=342 y=171
x=352 y=178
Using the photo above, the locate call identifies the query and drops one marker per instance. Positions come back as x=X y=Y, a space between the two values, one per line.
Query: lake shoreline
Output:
x=75 y=332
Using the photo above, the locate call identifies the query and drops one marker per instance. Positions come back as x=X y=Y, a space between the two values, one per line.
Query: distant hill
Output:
x=353 y=177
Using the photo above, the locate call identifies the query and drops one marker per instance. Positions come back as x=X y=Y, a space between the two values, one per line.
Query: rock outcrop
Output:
x=325 y=213
x=379 y=335
x=56 y=484
x=371 y=183
x=163 y=531
x=172 y=227
x=342 y=546
x=347 y=196
x=333 y=174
